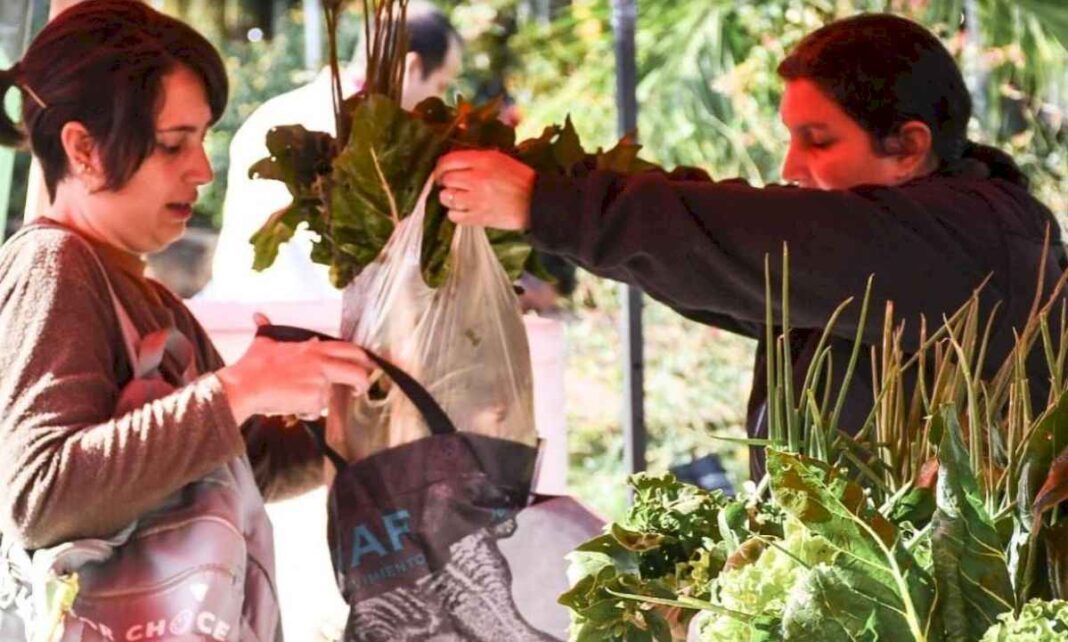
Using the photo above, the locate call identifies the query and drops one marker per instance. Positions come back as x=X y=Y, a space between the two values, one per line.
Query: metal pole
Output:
x=313 y=35
x=975 y=76
x=624 y=18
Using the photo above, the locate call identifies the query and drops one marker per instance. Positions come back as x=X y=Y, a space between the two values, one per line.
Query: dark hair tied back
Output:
x=884 y=71
x=11 y=135
x=984 y=161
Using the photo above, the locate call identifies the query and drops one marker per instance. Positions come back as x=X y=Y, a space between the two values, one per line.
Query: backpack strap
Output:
x=130 y=336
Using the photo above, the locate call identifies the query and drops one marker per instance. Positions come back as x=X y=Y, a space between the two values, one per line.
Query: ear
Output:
x=912 y=146
x=413 y=65
x=78 y=144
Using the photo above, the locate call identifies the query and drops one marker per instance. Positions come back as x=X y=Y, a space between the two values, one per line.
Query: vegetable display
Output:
x=942 y=519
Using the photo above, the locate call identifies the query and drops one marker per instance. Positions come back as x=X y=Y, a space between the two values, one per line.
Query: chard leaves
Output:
x=970 y=569
x=352 y=199
x=873 y=580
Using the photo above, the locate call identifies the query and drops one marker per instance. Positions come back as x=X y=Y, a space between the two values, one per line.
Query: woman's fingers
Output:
x=343 y=350
x=485 y=188
x=346 y=373
x=457 y=201
x=461 y=179
x=458 y=161
x=457 y=188
x=275 y=377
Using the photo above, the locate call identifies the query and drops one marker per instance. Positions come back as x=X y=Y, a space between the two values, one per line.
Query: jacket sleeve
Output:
x=68 y=468
x=701 y=247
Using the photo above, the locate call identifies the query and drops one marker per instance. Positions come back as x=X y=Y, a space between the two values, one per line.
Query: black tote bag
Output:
x=438 y=539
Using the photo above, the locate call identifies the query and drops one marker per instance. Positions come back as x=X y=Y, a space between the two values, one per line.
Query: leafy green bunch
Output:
x=642 y=578
x=1039 y=621
x=835 y=568
x=353 y=197
x=353 y=190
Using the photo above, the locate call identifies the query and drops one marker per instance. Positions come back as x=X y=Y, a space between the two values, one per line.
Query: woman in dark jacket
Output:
x=885 y=184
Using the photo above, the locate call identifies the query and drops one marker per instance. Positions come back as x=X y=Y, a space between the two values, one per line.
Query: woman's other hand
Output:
x=485 y=188
x=283 y=378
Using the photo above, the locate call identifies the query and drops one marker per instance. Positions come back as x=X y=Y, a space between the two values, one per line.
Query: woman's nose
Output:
x=201 y=172
x=794 y=169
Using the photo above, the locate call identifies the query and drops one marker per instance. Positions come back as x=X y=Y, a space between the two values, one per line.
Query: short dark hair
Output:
x=884 y=71
x=430 y=34
x=101 y=64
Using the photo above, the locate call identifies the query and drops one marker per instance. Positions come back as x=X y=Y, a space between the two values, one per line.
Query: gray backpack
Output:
x=197 y=567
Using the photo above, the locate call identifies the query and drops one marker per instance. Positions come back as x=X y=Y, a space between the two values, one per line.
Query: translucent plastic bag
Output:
x=465 y=342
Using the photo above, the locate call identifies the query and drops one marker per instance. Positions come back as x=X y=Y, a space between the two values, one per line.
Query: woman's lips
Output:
x=181 y=210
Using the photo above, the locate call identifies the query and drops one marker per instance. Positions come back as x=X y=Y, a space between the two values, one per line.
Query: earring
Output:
x=84 y=168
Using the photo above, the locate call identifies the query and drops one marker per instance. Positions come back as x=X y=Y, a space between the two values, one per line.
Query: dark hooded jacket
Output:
x=699 y=246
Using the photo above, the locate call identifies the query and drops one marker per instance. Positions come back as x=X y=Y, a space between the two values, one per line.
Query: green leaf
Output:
x=512 y=249
x=353 y=199
x=599 y=613
x=1049 y=436
x=624 y=559
x=536 y=267
x=538 y=152
x=623 y=158
x=380 y=174
x=970 y=569
x=278 y=229
x=438 y=232
x=300 y=159
x=834 y=603
x=686 y=516
x=869 y=557
x=1055 y=539
x=478 y=127
x=1038 y=621
x=918 y=505
x=733 y=523
x=636 y=541
x=667 y=549
x=567 y=150
x=831 y=505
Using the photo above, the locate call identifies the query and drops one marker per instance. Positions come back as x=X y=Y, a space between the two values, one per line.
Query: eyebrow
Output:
x=189 y=129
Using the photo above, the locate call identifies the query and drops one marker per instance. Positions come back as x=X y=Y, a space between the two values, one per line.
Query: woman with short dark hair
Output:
x=113 y=400
x=885 y=184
